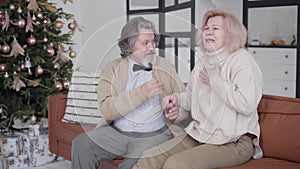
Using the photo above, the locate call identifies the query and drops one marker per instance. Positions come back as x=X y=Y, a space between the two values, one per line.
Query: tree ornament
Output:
x=50 y=51
x=40 y=15
x=72 y=26
x=46 y=20
x=56 y=65
x=1 y=110
x=21 y=23
x=28 y=64
x=39 y=70
x=45 y=39
x=2 y=17
x=58 y=85
x=12 y=7
x=22 y=67
x=34 y=18
x=59 y=24
x=17 y=84
x=29 y=26
x=60 y=55
x=2 y=67
x=33 y=119
x=72 y=54
x=19 y=10
x=65 y=1
x=66 y=83
x=31 y=40
x=6 y=75
x=6 y=23
x=33 y=5
x=16 y=49
x=5 y=48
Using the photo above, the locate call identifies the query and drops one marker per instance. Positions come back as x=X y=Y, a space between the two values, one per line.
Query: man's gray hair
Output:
x=131 y=31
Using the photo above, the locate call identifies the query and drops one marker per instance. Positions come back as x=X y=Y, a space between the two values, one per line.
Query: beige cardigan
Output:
x=114 y=101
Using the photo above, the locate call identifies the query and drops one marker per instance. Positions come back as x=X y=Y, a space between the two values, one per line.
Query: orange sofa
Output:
x=279 y=119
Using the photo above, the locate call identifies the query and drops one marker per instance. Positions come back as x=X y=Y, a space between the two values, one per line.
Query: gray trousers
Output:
x=107 y=143
x=184 y=152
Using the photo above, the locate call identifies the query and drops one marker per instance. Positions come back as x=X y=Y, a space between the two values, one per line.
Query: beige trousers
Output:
x=184 y=152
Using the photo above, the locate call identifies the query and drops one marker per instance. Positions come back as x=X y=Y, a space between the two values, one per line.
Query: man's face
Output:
x=143 y=51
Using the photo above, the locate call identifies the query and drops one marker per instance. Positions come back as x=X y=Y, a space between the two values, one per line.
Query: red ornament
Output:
x=5 y=48
x=66 y=83
x=21 y=23
x=31 y=40
x=71 y=26
x=50 y=51
x=2 y=67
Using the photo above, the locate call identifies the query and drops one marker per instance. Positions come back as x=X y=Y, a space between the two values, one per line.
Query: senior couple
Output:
x=142 y=98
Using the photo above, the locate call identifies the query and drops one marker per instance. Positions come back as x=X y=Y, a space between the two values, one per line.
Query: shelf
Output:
x=272 y=46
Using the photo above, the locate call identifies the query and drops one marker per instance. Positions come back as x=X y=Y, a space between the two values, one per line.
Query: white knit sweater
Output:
x=225 y=109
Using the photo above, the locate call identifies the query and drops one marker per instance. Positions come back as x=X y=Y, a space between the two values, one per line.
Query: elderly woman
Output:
x=223 y=93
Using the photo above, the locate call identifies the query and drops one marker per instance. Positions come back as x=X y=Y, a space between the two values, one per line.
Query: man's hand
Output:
x=170 y=107
x=152 y=88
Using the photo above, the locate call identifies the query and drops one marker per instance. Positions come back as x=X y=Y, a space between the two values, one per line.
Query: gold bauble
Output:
x=58 y=85
x=6 y=75
x=39 y=70
x=72 y=54
x=33 y=119
x=59 y=24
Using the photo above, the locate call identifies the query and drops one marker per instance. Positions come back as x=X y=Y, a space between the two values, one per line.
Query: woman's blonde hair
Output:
x=236 y=33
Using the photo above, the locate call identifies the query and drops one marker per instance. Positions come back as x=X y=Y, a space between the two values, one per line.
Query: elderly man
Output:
x=130 y=92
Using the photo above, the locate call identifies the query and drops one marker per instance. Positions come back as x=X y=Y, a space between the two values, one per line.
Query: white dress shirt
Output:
x=147 y=117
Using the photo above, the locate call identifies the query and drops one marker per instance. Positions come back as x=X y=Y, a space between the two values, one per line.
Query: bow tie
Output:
x=137 y=67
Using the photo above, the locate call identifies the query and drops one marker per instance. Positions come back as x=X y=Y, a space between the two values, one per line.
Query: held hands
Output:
x=169 y=105
x=152 y=88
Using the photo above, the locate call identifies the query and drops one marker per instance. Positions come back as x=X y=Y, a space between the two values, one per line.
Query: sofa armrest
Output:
x=56 y=108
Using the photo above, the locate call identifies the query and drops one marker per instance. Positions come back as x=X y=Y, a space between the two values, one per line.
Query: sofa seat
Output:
x=267 y=163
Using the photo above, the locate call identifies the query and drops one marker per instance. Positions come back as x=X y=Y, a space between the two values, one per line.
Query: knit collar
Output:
x=217 y=56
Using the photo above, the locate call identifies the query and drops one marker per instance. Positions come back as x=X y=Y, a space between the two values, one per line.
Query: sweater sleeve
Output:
x=242 y=89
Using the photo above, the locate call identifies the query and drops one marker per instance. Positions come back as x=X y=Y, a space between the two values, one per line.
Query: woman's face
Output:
x=214 y=34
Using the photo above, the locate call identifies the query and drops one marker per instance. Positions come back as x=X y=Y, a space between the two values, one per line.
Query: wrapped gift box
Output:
x=9 y=145
x=39 y=152
x=37 y=148
x=15 y=162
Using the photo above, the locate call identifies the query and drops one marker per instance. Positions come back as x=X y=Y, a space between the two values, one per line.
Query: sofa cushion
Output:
x=82 y=99
x=280 y=125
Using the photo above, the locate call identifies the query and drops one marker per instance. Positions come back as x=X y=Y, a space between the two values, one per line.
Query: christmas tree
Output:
x=34 y=57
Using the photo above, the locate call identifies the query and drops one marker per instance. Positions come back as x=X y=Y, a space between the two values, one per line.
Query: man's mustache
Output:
x=150 y=52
